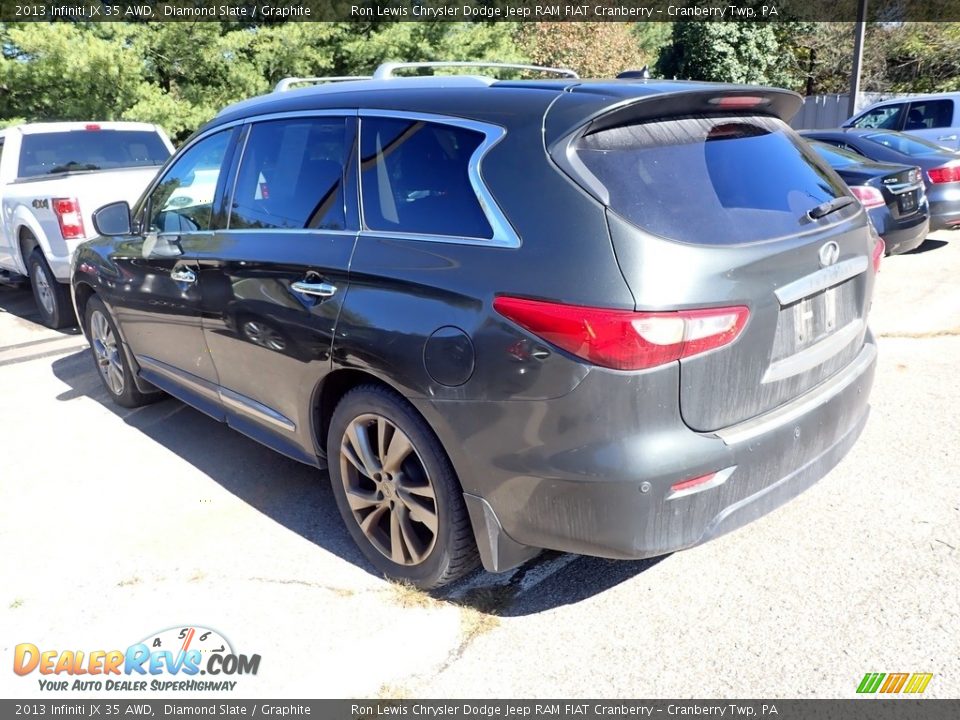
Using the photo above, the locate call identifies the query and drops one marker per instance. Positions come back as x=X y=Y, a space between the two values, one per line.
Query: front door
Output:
x=274 y=279
x=156 y=294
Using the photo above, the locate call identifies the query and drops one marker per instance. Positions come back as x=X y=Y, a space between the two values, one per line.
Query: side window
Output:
x=291 y=175
x=414 y=178
x=183 y=201
x=887 y=117
x=929 y=114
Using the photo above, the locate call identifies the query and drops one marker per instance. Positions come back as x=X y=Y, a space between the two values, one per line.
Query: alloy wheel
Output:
x=389 y=491
x=107 y=351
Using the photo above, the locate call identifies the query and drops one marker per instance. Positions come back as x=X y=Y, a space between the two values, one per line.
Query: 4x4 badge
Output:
x=829 y=254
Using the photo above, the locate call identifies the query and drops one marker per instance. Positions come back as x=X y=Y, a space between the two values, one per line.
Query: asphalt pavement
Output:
x=118 y=524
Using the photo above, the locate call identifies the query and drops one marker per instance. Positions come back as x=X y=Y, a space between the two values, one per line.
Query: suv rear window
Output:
x=78 y=150
x=710 y=180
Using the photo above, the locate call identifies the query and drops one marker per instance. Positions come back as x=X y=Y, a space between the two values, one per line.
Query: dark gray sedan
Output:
x=940 y=166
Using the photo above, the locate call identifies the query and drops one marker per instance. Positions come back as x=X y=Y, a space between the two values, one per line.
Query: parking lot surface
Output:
x=117 y=524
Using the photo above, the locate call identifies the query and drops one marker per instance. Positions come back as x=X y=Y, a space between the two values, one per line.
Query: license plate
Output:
x=806 y=322
x=815 y=317
x=908 y=202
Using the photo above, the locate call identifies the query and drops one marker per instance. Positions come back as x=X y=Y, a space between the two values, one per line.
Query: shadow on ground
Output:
x=299 y=498
x=926 y=246
x=18 y=301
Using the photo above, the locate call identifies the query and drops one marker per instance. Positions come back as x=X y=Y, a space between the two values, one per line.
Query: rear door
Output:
x=714 y=211
x=933 y=121
x=274 y=278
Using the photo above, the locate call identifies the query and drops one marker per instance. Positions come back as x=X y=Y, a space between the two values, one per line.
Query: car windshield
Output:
x=905 y=143
x=837 y=157
x=90 y=149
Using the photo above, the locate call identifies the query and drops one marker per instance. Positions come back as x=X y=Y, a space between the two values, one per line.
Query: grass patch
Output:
x=129 y=582
x=17 y=602
x=408 y=595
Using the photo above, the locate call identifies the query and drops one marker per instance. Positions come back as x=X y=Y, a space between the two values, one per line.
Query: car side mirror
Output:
x=113 y=219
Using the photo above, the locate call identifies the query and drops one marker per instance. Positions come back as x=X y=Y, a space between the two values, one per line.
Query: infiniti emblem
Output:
x=829 y=254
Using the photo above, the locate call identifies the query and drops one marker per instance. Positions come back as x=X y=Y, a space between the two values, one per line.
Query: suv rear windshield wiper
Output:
x=831 y=206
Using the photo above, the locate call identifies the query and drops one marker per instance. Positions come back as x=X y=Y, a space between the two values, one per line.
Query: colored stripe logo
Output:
x=913 y=683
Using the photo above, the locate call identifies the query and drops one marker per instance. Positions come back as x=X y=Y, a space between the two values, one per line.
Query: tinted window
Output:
x=836 y=157
x=291 y=176
x=929 y=114
x=710 y=180
x=183 y=201
x=415 y=179
x=886 y=116
x=906 y=144
x=58 y=152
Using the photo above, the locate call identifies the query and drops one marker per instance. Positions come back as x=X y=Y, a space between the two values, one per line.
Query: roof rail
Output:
x=287 y=82
x=386 y=70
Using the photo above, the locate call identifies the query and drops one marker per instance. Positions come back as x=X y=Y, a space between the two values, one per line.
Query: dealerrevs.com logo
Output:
x=172 y=660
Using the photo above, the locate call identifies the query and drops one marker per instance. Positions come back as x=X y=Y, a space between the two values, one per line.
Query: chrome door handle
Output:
x=947 y=137
x=185 y=275
x=321 y=289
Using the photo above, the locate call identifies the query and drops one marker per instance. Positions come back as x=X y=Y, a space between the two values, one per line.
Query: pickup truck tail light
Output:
x=68 y=215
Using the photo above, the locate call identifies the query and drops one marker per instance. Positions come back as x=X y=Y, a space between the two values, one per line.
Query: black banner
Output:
x=269 y=11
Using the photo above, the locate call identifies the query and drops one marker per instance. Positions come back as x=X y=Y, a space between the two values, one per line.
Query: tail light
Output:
x=623 y=339
x=944 y=174
x=878 y=250
x=68 y=215
x=868 y=196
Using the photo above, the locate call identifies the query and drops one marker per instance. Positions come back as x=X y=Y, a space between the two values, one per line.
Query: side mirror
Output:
x=113 y=219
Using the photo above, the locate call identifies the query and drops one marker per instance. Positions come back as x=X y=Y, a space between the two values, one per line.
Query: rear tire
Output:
x=52 y=297
x=397 y=491
x=110 y=358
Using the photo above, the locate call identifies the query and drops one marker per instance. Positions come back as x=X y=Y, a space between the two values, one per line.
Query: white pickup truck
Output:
x=52 y=177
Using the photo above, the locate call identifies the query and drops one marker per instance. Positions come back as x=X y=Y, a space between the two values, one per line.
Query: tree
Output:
x=738 y=52
x=593 y=49
x=149 y=72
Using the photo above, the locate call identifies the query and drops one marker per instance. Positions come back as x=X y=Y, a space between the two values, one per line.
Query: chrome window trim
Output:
x=504 y=235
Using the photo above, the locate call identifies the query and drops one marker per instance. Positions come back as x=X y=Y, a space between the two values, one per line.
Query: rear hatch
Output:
x=710 y=208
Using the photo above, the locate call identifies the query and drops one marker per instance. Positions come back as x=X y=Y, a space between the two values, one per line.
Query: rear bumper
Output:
x=944 y=206
x=901 y=236
x=566 y=483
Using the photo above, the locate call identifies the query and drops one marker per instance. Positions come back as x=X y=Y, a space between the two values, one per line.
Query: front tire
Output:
x=397 y=491
x=51 y=296
x=112 y=364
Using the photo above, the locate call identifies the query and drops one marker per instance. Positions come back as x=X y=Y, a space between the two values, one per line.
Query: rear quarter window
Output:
x=414 y=178
x=710 y=180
